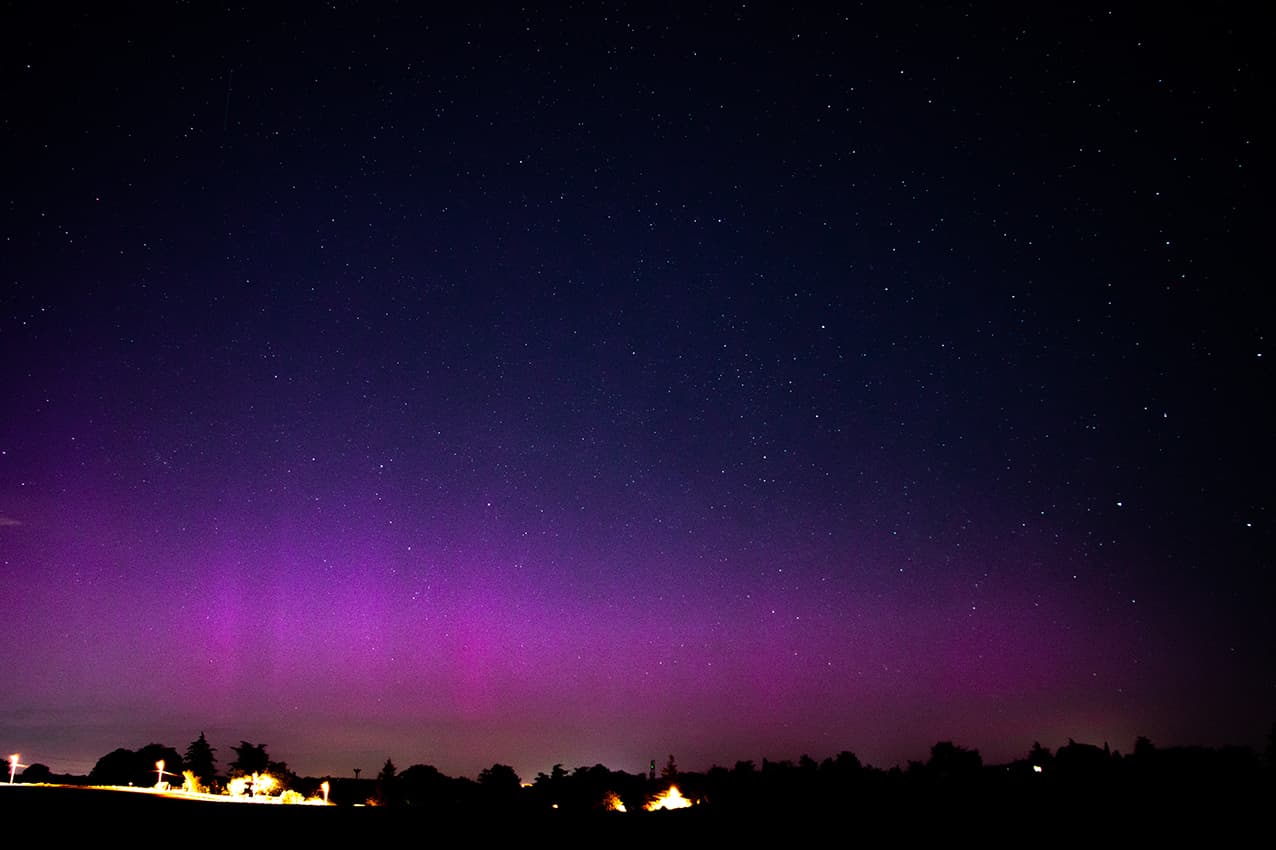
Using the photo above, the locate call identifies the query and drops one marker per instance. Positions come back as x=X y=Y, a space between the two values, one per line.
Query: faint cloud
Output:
x=8 y=520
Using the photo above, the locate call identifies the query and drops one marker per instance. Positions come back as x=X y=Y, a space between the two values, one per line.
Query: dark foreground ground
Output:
x=58 y=815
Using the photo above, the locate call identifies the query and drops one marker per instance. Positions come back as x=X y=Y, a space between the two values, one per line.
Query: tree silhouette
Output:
x=200 y=759
x=423 y=786
x=117 y=767
x=280 y=770
x=551 y=789
x=499 y=785
x=670 y=770
x=386 y=785
x=948 y=761
x=847 y=762
x=150 y=755
x=249 y=759
x=127 y=767
x=1040 y=756
x=1078 y=760
x=953 y=776
x=37 y=773
x=499 y=776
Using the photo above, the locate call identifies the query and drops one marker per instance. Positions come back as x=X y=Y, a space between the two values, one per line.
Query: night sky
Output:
x=595 y=383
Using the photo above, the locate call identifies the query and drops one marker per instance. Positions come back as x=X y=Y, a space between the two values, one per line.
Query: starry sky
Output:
x=597 y=382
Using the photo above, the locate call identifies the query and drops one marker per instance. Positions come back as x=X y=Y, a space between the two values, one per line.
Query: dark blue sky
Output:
x=586 y=384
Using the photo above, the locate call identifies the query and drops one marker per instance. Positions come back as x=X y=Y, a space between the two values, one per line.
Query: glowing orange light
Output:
x=191 y=783
x=612 y=802
x=671 y=799
x=257 y=785
x=263 y=784
x=323 y=786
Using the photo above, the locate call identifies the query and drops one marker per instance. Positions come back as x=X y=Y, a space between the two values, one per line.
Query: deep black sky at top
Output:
x=584 y=383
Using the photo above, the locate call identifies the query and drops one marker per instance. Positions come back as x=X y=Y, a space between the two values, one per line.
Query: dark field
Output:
x=89 y=816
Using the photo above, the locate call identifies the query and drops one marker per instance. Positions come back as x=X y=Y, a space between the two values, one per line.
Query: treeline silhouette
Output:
x=952 y=778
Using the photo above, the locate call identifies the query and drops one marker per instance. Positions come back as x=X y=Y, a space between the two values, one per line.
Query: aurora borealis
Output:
x=598 y=382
